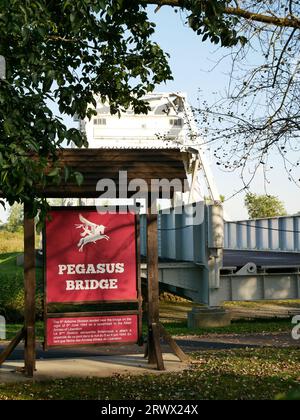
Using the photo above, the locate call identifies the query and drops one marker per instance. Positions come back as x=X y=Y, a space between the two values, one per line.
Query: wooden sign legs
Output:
x=156 y=330
x=154 y=348
x=30 y=291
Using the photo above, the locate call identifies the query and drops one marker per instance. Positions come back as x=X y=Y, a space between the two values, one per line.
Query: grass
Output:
x=11 y=242
x=261 y=304
x=13 y=329
x=260 y=374
x=257 y=326
x=14 y=241
x=12 y=288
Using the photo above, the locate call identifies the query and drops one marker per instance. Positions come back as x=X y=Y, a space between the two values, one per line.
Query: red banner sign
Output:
x=92 y=330
x=90 y=257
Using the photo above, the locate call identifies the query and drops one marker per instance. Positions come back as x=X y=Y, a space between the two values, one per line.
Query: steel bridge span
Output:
x=195 y=264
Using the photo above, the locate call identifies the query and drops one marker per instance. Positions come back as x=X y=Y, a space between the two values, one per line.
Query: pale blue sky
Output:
x=190 y=60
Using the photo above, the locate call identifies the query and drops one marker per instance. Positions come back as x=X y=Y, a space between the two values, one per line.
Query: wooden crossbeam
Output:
x=172 y=343
x=12 y=345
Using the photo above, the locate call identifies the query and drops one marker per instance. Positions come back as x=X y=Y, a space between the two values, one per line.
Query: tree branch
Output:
x=63 y=39
x=287 y=21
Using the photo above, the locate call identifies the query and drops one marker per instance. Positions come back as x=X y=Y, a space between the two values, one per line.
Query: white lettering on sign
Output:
x=91 y=284
x=94 y=330
x=73 y=269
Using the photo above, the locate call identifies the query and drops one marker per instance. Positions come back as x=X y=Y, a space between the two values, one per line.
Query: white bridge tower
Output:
x=169 y=124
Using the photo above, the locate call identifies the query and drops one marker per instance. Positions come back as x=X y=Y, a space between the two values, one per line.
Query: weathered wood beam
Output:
x=172 y=343
x=30 y=290
x=12 y=345
x=154 y=348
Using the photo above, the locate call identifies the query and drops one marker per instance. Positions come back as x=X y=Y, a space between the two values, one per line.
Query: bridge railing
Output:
x=270 y=234
x=186 y=237
x=179 y=239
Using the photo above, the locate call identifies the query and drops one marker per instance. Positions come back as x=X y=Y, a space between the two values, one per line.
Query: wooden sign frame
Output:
x=103 y=304
x=95 y=164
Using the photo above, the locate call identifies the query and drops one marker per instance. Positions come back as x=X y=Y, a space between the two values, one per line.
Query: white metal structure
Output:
x=169 y=124
x=159 y=129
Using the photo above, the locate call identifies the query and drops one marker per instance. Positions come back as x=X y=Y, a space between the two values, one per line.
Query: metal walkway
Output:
x=239 y=258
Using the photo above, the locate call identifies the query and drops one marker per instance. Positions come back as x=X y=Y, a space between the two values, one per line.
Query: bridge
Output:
x=216 y=261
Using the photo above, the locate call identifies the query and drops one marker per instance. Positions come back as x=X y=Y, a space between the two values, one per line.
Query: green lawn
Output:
x=237 y=374
x=12 y=288
x=237 y=327
x=13 y=329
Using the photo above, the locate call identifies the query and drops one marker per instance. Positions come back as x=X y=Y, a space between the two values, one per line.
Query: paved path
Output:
x=236 y=341
x=188 y=344
x=97 y=366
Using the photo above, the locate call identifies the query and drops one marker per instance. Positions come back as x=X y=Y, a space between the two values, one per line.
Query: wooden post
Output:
x=30 y=289
x=157 y=347
x=139 y=278
x=154 y=349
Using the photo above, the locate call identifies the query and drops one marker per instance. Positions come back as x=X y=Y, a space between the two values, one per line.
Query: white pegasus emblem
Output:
x=91 y=232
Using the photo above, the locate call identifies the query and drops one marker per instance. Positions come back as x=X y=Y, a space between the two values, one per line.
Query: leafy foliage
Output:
x=260 y=206
x=69 y=51
x=66 y=51
x=208 y=18
x=16 y=218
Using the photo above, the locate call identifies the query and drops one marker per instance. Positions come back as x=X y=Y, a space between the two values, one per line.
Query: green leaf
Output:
x=66 y=173
x=54 y=172
x=79 y=178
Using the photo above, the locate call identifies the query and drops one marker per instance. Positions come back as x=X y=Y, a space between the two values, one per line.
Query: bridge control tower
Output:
x=169 y=124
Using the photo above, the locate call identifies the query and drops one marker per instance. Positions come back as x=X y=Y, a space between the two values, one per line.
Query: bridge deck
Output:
x=235 y=258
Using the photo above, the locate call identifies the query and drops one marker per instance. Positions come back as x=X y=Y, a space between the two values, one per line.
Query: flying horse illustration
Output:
x=91 y=232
